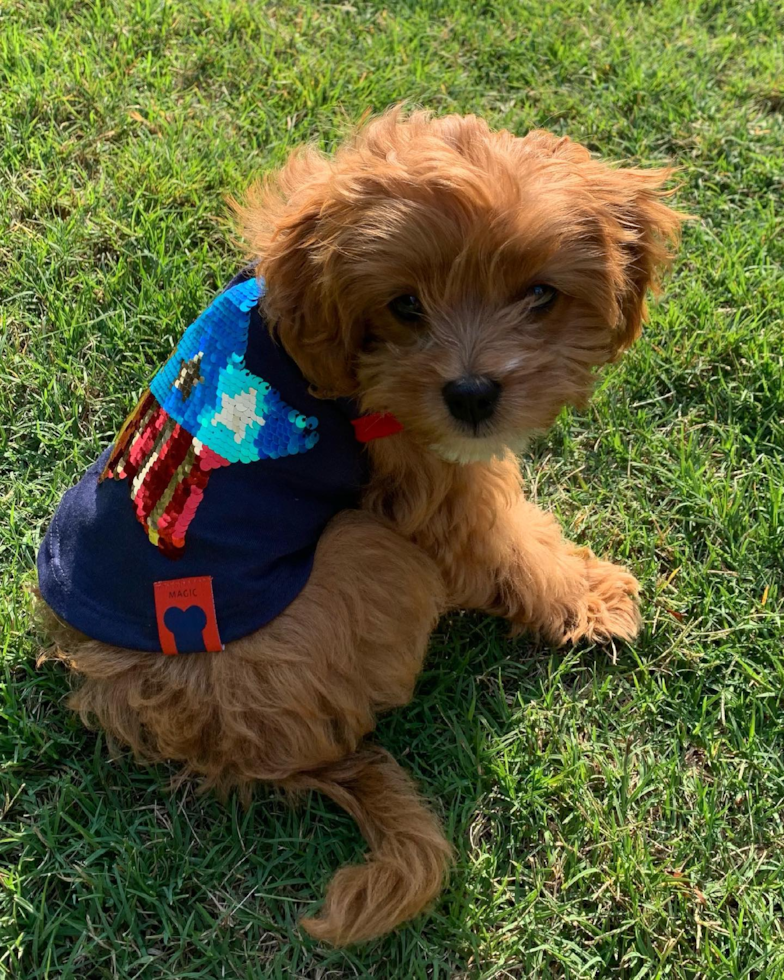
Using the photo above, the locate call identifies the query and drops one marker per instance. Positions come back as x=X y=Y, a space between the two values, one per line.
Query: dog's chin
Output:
x=478 y=449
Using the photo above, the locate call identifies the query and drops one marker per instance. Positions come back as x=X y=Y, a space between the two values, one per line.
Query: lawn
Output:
x=615 y=813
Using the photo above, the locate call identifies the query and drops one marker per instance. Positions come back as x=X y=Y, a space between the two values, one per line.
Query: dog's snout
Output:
x=472 y=398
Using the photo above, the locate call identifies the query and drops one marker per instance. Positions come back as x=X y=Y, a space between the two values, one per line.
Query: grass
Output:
x=615 y=813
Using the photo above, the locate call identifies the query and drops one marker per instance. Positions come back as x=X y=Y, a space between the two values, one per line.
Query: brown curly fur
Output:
x=467 y=219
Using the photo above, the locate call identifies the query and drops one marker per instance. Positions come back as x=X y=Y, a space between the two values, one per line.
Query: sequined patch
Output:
x=204 y=409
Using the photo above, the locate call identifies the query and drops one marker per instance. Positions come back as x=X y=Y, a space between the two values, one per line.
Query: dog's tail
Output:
x=408 y=855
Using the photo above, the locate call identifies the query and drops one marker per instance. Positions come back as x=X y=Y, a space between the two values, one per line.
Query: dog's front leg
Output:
x=512 y=560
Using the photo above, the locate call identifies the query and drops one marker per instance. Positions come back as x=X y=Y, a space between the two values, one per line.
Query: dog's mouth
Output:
x=479 y=445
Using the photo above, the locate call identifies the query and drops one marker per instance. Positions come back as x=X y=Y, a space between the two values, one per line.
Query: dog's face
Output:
x=469 y=282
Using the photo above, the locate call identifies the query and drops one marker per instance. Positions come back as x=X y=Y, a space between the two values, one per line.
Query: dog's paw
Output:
x=609 y=609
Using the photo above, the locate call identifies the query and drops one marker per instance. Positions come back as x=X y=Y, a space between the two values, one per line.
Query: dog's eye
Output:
x=540 y=296
x=407 y=308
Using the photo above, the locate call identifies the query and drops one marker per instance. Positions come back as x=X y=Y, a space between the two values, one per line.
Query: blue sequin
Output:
x=206 y=387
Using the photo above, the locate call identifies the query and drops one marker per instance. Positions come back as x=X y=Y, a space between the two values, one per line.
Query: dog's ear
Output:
x=636 y=226
x=644 y=230
x=292 y=223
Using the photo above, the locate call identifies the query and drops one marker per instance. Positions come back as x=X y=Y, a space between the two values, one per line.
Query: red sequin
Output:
x=167 y=471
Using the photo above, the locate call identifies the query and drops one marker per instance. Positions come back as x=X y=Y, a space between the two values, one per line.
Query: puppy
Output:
x=325 y=466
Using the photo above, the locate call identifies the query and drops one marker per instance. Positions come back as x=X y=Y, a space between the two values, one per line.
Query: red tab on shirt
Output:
x=185 y=610
x=378 y=425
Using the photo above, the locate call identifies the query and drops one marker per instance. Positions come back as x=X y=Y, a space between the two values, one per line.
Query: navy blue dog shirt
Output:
x=200 y=524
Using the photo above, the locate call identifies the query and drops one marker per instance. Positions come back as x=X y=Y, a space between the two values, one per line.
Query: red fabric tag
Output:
x=185 y=610
x=378 y=425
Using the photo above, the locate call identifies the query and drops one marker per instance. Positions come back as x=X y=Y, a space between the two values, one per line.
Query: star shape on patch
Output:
x=238 y=412
x=188 y=376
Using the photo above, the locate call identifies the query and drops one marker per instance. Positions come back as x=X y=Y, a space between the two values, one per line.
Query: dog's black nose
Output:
x=471 y=399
